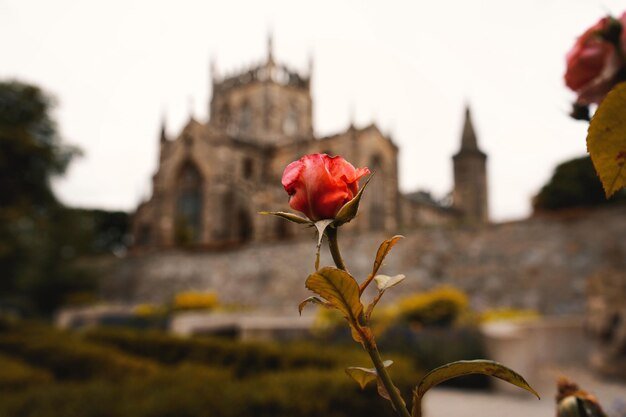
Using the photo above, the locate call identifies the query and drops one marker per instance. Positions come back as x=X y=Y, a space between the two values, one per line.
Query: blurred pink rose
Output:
x=594 y=62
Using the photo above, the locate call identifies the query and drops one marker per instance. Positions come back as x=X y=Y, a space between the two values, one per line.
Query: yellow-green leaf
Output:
x=351 y=208
x=606 y=140
x=311 y=300
x=289 y=216
x=460 y=368
x=364 y=376
x=340 y=290
x=383 y=250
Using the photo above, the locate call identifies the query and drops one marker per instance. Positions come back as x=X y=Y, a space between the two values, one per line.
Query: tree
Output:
x=36 y=274
x=574 y=184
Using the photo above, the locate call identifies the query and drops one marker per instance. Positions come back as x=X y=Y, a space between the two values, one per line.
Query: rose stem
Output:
x=369 y=343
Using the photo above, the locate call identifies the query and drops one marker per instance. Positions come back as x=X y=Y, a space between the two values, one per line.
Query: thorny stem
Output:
x=369 y=343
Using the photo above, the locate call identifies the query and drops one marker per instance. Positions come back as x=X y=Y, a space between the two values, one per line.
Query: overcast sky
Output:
x=117 y=66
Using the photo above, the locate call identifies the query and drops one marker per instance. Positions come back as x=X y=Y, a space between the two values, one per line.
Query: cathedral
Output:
x=214 y=177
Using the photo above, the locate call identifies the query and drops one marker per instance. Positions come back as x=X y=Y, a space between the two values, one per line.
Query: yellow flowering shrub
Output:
x=195 y=301
x=149 y=310
x=508 y=314
x=441 y=306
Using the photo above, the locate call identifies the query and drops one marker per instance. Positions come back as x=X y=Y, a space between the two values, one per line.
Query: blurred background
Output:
x=139 y=141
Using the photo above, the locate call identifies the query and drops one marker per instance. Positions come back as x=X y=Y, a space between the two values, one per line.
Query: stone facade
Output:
x=214 y=177
x=607 y=319
x=542 y=263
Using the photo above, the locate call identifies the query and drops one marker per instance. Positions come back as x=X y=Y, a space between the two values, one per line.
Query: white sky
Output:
x=117 y=66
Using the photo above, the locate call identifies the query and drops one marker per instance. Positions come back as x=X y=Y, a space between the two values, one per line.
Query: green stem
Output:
x=369 y=343
x=333 y=245
x=385 y=378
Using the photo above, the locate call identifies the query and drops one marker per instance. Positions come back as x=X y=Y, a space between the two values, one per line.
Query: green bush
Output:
x=244 y=357
x=431 y=347
x=67 y=356
x=16 y=374
x=574 y=183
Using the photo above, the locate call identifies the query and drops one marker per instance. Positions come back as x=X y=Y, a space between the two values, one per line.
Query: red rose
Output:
x=319 y=185
x=593 y=64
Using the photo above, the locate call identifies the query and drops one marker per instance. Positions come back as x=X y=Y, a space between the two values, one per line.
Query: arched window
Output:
x=291 y=122
x=377 y=188
x=188 y=220
x=244 y=223
x=245 y=121
x=282 y=229
x=248 y=168
x=144 y=235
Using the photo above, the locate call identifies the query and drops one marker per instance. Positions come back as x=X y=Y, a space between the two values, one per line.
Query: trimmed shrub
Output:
x=244 y=357
x=67 y=356
x=16 y=374
x=196 y=392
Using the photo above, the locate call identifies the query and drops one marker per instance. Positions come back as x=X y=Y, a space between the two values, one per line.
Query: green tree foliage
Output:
x=35 y=229
x=574 y=184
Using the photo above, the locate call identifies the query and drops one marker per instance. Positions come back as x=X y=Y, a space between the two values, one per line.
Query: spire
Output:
x=270 y=47
x=352 y=116
x=310 y=64
x=190 y=104
x=163 y=137
x=468 y=139
x=213 y=69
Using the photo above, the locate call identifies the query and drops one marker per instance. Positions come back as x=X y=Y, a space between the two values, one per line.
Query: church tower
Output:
x=470 y=177
x=268 y=104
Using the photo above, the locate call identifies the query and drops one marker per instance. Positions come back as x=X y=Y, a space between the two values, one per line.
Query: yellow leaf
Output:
x=383 y=250
x=606 y=140
x=311 y=300
x=340 y=290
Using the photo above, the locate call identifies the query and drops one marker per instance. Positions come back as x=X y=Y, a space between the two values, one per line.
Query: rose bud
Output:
x=319 y=185
x=593 y=64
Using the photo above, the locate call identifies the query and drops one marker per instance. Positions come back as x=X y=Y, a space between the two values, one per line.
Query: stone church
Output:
x=214 y=177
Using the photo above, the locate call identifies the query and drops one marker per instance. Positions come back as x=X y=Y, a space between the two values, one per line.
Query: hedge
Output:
x=244 y=357
x=193 y=392
x=67 y=356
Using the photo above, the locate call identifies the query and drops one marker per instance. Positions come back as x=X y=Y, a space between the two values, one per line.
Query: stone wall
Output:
x=541 y=263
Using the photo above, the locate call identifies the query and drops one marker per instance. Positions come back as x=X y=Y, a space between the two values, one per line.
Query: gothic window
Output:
x=188 y=221
x=144 y=235
x=224 y=116
x=244 y=223
x=248 y=168
x=282 y=229
x=245 y=122
x=291 y=123
x=377 y=188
